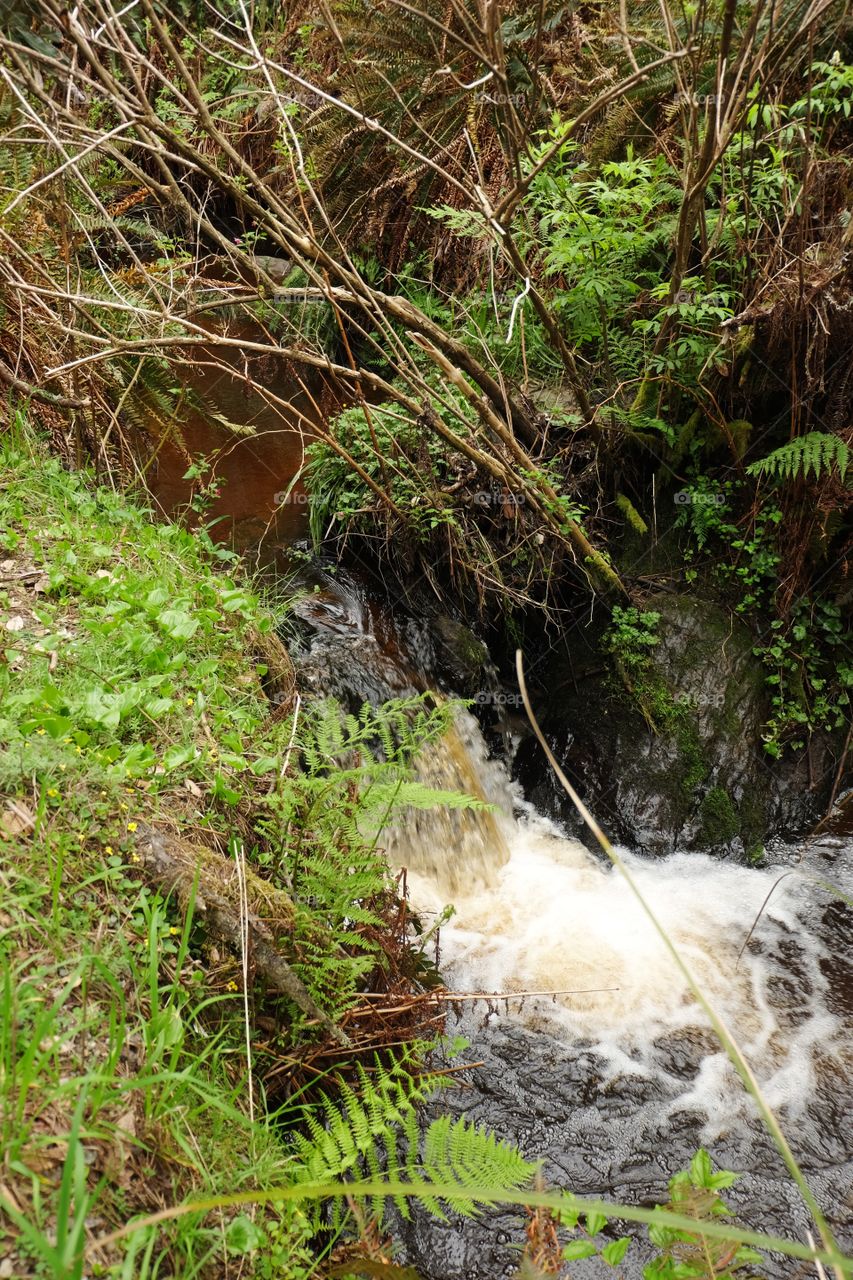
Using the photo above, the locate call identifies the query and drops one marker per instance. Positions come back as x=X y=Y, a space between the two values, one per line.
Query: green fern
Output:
x=324 y=823
x=816 y=452
x=375 y=1132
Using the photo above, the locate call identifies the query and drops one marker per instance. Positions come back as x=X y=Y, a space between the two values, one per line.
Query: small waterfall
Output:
x=536 y=911
x=457 y=849
x=616 y=1079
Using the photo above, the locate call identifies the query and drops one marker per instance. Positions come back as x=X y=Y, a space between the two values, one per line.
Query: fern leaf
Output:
x=815 y=453
x=376 y=1132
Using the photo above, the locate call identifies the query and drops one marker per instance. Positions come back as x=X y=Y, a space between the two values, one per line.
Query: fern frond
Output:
x=375 y=1132
x=416 y=795
x=817 y=452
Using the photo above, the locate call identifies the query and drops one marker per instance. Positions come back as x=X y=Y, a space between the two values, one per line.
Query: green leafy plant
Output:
x=374 y=1131
x=322 y=830
x=690 y=1255
x=809 y=680
x=816 y=452
x=631 y=636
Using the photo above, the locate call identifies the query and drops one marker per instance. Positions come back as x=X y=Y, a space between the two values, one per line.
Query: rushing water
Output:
x=618 y=1078
x=615 y=1079
x=536 y=911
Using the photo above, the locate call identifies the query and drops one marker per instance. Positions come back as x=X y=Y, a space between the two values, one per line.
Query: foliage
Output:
x=808 y=678
x=322 y=826
x=689 y=1255
x=126 y=690
x=604 y=235
x=815 y=452
x=630 y=636
x=412 y=466
x=125 y=1040
x=375 y=1131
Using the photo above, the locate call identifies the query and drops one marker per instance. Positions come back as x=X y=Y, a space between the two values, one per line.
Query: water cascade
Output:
x=617 y=1078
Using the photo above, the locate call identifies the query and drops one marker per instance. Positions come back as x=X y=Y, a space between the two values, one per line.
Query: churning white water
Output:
x=535 y=911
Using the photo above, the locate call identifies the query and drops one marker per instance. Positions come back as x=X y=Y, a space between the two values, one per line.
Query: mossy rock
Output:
x=719 y=819
x=676 y=761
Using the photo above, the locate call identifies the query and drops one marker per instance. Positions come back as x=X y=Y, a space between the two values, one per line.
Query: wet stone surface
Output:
x=622 y=1140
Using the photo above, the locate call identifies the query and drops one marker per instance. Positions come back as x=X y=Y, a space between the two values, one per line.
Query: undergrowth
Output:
x=134 y=696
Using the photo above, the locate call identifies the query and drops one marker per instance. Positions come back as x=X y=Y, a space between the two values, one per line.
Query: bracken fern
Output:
x=816 y=452
x=375 y=1132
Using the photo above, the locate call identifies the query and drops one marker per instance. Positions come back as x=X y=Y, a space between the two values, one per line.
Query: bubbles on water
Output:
x=535 y=911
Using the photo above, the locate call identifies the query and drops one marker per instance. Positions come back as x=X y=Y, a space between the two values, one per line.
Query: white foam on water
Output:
x=539 y=913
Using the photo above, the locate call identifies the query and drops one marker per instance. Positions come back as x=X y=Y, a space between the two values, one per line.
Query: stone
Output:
x=688 y=771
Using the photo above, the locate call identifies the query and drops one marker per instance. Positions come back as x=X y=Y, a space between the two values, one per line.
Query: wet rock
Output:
x=689 y=774
x=681 y=1052
x=464 y=655
x=622 y=1140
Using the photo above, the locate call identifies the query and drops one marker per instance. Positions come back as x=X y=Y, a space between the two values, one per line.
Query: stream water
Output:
x=617 y=1079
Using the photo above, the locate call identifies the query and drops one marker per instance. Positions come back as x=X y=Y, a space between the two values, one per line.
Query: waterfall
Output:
x=535 y=911
x=617 y=1077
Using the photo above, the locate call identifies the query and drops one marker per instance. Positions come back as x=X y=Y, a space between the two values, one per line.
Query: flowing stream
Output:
x=615 y=1080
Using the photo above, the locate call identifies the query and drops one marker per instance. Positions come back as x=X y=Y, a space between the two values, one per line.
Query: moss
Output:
x=683 y=728
x=468 y=652
x=753 y=824
x=719 y=818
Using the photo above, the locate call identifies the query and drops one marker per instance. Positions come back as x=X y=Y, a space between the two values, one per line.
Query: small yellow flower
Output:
x=108 y=849
x=174 y=932
x=131 y=826
x=41 y=732
x=190 y=701
x=63 y=767
x=66 y=739
x=102 y=793
x=231 y=986
x=134 y=857
x=122 y=805
x=52 y=791
x=79 y=751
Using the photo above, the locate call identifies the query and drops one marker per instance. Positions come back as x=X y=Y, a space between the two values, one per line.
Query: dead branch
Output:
x=198 y=875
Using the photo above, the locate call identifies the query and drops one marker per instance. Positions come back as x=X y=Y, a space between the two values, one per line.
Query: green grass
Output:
x=139 y=674
x=128 y=695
